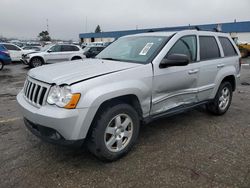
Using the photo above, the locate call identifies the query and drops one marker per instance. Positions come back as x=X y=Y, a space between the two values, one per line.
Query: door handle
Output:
x=220 y=65
x=193 y=71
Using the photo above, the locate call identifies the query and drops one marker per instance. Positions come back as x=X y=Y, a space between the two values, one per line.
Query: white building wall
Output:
x=88 y=40
x=242 y=37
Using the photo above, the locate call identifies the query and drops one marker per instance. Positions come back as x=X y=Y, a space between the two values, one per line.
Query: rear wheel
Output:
x=1 y=65
x=114 y=132
x=36 y=62
x=222 y=100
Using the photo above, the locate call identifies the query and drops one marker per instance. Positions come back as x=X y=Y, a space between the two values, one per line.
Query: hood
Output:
x=75 y=71
x=25 y=52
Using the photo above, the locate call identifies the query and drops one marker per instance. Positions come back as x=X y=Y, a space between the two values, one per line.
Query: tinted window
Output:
x=227 y=46
x=186 y=45
x=11 y=47
x=209 y=48
x=74 y=48
x=69 y=48
x=56 y=48
x=2 y=48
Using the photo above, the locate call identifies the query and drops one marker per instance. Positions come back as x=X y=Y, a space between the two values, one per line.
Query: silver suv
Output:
x=135 y=80
x=53 y=54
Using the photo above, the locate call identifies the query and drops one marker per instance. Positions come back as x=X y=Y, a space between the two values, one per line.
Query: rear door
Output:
x=15 y=52
x=176 y=86
x=68 y=51
x=211 y=62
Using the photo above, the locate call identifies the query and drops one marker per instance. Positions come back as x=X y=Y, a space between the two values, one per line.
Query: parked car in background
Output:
x=92 y=51
x=4 y=57
x=35 y=48
x=53 y=54
x=15 y=51
x=138 y=78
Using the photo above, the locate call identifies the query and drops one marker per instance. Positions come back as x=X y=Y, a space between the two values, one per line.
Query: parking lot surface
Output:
x=194 y=149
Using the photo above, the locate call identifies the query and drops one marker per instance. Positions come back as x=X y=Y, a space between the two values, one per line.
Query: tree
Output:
x=44 y=36
x=98 y=29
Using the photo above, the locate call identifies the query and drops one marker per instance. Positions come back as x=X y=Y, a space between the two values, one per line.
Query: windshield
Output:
x=46 y=48
x=137 y=49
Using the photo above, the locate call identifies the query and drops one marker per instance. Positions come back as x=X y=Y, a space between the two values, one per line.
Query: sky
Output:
x=24 y=19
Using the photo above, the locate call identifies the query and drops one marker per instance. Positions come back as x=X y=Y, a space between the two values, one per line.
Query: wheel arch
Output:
x=231 y=79
x=76 y=57
x=37 y=57
x=130 y=99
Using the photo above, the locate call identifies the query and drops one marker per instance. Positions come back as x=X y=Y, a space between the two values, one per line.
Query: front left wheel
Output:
x=36 y=62
x=114 y=132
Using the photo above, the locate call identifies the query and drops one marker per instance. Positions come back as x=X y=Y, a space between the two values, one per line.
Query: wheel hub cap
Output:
x=118 y=133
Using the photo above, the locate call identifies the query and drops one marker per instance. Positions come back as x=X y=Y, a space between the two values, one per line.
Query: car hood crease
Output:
x=80 y=70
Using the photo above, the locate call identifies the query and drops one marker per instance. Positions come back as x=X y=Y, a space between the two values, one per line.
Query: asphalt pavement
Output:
x=194 y=149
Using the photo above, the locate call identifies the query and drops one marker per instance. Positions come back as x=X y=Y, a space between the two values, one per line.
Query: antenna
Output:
x=47 y=22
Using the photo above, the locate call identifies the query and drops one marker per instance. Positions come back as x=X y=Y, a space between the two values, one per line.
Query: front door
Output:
x=54 y=54
x=176 y=86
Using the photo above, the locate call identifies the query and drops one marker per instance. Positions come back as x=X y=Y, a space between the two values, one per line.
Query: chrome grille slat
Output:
x=30 y=91
x=35 y=92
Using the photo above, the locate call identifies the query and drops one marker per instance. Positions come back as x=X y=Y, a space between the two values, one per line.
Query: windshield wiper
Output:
x=112 y=59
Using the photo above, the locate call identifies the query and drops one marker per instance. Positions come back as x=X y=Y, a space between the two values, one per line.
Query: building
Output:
x=238 y=30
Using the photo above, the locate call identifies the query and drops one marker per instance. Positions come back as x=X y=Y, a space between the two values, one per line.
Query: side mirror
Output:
x=175 y=60
x=87 y=54
x=49 y=51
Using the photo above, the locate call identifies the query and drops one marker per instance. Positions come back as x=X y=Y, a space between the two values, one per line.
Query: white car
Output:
x=54 y=54
x=15 y=51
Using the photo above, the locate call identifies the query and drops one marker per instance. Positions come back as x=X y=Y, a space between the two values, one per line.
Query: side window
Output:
x=74 y=48
x=209 y=48
x=56 y=48
x=11 y=47
x=186 y=45
x=66 y=48
x=227 y=46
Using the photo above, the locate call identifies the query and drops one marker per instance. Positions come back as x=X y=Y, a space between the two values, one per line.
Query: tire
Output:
x=76 y=58
x=36 y=62
x=1 y=65
x=110 y=140
x=222 y=100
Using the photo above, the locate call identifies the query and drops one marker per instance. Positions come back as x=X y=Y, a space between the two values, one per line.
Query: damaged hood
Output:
x=75 y=71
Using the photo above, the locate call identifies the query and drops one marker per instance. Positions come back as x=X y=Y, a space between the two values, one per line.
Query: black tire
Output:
x=214 y=107
x=96 y=142
x=1 y=65
x=35 y=62
x=76 y=58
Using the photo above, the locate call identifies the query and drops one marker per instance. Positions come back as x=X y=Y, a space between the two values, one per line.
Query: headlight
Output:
x=63 y=97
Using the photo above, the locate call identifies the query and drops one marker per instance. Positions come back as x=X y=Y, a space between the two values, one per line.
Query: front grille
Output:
x=35 y=92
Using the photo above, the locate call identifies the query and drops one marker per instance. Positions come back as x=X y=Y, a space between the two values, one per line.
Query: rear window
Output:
x=208 y=48
x=11 y=47
x=69 y=48
x=227 y=46
x=2 y=48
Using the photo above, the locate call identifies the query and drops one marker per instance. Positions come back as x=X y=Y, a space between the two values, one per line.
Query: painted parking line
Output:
x=10 y=120
x=245 y=64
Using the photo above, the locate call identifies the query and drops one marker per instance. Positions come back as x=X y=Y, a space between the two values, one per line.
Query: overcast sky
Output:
x=24 y=19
